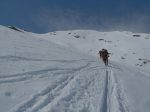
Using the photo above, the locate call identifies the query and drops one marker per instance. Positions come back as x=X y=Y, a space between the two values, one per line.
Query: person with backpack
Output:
x=104 y=56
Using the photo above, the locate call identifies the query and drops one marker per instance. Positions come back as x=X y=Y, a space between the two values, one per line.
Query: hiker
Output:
x=104 y=56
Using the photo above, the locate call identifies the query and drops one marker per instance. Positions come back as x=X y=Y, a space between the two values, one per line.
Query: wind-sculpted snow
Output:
x=57 y=72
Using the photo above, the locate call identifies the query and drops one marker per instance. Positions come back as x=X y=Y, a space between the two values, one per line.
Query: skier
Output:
x=104 y=56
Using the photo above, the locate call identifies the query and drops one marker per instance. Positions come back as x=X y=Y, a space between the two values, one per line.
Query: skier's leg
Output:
x=107 y=61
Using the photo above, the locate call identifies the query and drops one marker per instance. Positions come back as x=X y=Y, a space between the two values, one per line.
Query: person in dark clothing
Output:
x=104 y=56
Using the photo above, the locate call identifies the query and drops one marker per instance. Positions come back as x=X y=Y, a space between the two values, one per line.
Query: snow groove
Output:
x=29 y=75
x=20 y=58
x=51 y=96
x=113 y=96
x=104 y=101
x=117 y=98
x=77 y=95
x=46 y=96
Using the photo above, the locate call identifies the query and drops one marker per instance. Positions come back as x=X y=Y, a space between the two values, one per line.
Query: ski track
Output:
x=104 y=100
x=29 y=75
x=46 y=96
x=19 y=58
x=112 y=96
x=77 y=92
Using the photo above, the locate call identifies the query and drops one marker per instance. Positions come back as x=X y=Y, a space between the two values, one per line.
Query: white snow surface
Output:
x=61 y=71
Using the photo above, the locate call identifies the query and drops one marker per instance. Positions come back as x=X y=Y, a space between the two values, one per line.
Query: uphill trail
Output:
x=114 y=98
x=51 y=92
x=88 y=88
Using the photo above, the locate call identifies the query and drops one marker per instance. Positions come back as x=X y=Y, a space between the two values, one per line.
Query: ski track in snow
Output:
x=116 y=90
x=112 y=97
x=29 y=75
x=18 y=58
x=78 y=92
x=46 y=96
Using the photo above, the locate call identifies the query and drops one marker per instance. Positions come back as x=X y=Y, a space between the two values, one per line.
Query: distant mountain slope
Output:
x=125 y=47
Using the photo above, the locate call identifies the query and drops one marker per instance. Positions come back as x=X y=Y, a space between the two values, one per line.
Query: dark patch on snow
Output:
x=108 y=41
x=140 y=59
x=143 y=62
x=101 y=39
x=14 y=28
x=136 y=35
x=133 y=53
x=7 y=93
x=104 y=40
x=147 y=37
x=122 y=57
x=77 y=36
x=53 y=33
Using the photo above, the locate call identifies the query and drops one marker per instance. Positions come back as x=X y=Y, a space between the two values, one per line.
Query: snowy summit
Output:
x=62 y=72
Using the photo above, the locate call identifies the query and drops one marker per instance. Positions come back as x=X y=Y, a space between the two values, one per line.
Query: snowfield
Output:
x=61 y=71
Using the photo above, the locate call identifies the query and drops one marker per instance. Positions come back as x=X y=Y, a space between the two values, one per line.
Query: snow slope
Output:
x=126 y=47
x=61 y=72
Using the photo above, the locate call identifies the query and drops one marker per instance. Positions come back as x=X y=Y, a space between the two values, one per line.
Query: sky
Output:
x=41 y=16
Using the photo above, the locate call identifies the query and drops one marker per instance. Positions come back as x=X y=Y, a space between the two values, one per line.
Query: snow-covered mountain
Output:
x=125 y=47
x=61 y=71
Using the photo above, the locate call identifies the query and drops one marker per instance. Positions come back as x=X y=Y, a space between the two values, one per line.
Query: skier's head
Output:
x=103 y=49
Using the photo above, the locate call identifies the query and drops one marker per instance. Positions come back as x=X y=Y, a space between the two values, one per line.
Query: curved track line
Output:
x=117 y=94
x=47 y=95
x=113 y=96
x=29 y=75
